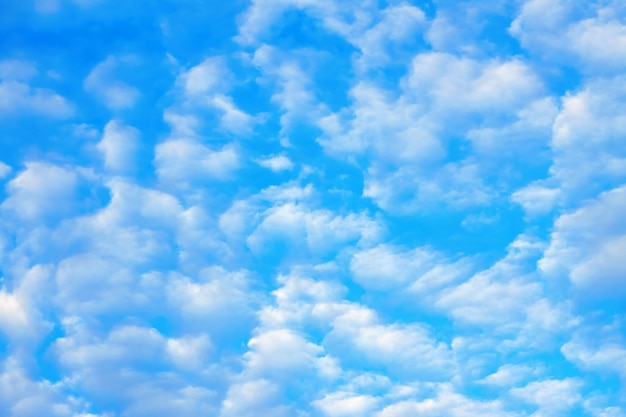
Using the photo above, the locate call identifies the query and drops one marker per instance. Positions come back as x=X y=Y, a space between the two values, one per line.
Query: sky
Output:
x=313 y=208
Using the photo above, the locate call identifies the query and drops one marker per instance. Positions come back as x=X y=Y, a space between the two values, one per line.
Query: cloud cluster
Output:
x=320 y=208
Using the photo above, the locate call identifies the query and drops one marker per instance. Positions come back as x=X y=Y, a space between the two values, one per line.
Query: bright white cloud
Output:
x=447 y=402
x=277 y=163
x=587 y=244
x=348 y=208
x=42 y=191
x=553 y=397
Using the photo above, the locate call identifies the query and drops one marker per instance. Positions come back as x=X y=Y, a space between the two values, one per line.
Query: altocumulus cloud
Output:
x=312 y=208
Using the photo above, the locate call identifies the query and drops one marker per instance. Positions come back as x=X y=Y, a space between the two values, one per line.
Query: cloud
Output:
x=186 y=161
x=277 y=163
x=403 y=351
x=17 y=97
x=319 y=230
x=345 y=404
x=508 y=375
x=391 y=131
x=5 y=170
x=206 y=78
x=118 y=146
x=205 y=86
x=447 y=402
x=385 y=267
x=590 y=122
x=577 y=31
x=586 y=245
x=24 y=397
x=113 y=93
x=42 y=191
x=536 y=199
x=251 y=397
x=553 y=397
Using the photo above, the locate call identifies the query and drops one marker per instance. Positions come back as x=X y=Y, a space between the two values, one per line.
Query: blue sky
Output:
x=312 y=208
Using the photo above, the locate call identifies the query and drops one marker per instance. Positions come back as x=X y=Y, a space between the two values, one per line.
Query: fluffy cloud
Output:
x=184 y=161
x=42 y=191
x=553 y=397
x=407 y=136
x=447 y=402
x=113 y=93
x=587 y=244
x=577 y=31
x=590 y=123
x=118 y=146
x=310 y=213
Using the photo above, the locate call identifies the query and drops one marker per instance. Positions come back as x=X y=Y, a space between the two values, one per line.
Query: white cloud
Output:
x=319 y=230
x=554 y=397
x=118 y=145
x=281 y=354
x=190 y=352
x=405 y=351
x=204 y=86
x=606 y=356
x=115 y=368
x=101 y=82
x=233 y=119
x=384 y=267
x=17 y=97
x=392 y=131
x=508 y=375
x=294 y=90
x=277 y=163
x=591 y=122
x=341 y=404
x=536 y=199
x=41 y=191
x=506 y=297
x=184 y=161
x=362 y=24
x=24 y=397
x=448 y=403
x=574 y=32
x=587 y=246
x=206 y=78
x=248 y=399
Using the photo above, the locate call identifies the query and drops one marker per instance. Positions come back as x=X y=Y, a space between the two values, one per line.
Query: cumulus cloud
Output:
x=186 y=161
x=118 y=146
x=577 y=31
x=5 y=170
x=586 y=246
x=447 y=402
x=553 y=397
x=398 y=130
x=17 y=97
x=42 y=191
x=348 y=208
x=113 y=93
x=277 y=163
x=590 y=122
